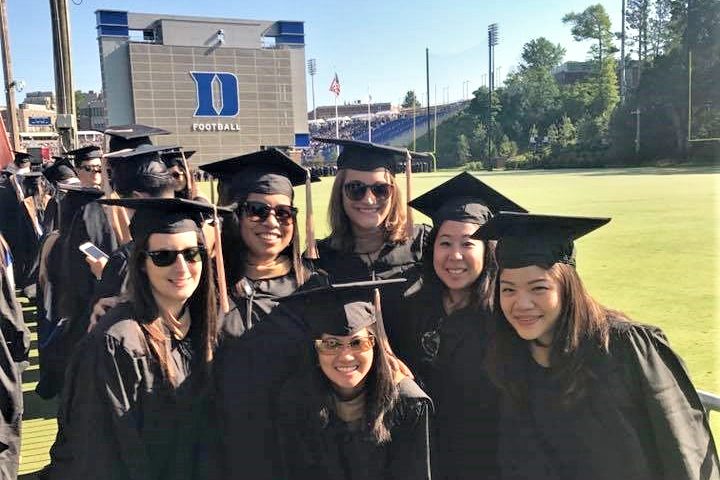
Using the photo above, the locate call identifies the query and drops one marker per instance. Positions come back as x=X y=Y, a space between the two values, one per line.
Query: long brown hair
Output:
x=380 y=390
x=235 y=250
x=341 y=234
x=582 y=332
x=202 y=305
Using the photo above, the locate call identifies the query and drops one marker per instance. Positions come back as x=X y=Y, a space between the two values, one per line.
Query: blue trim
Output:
x=302 y=139
x=113 y=31
x=294 y=39
x=111 y=17
x=297 y=28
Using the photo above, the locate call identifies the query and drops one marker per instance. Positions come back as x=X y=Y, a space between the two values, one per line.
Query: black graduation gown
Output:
x=14 y=348
x=119 y=418
x=311 y=450
x=252 y=361
x=642 y=419
x=395 y=260
x=464 y=428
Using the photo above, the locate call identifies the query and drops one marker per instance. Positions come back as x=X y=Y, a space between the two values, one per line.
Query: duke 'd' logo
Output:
x=227 y=103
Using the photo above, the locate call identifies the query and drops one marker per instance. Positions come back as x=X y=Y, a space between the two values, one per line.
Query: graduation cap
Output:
x=175 y=215
x=175 y=157
x=131 y=136
x=366 y=156
x=341 y=308
x=526 y=239
x=465 y=199
x=267 y=172
x=142 y=163
x=60 y=171
x=85 y=153
x=22 y=158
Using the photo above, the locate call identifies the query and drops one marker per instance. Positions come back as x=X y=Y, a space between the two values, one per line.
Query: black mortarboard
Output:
x=265 y=171
x=165 y=215
x=22 y=157
x=131 y=169
x=465 y=199
x=76 y=196
x=174 y=157
x=339 y=309
x=366 y=156
x=85 y=153
x=59 y=171
x=131 y=136
x=526 y=239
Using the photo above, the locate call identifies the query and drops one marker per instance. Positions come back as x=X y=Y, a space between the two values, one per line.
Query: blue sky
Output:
x=373 y=45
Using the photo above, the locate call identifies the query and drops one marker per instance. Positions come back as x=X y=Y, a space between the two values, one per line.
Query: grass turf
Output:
x=657 y=260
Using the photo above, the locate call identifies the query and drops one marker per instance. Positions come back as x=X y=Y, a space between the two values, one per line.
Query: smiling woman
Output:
x=141 y=376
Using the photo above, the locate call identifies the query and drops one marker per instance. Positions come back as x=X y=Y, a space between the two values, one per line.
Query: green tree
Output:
x=462 y=150
x=541 y=53
x=593 y=23
x=566 y=132
x=80 y=101
x=410 y=100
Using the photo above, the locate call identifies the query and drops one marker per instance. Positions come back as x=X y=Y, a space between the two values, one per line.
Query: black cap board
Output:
x=526 y=239
x=174 y=157
x=131 y=136
x=85 y=153
x=22 y=157
x=265 y=171
x=338 y=309
x=165 y=215
x=59 y=171
x=465 y=199
x=366 y=156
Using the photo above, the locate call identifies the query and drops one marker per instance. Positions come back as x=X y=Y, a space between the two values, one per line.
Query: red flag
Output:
x=335 y=85
x=6 y=154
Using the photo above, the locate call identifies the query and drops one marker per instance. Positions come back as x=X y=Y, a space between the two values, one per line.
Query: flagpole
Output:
x=337 y=125
x=369 y=116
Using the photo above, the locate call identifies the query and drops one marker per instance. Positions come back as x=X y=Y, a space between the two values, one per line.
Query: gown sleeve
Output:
x=410 y=445
x=679 y=421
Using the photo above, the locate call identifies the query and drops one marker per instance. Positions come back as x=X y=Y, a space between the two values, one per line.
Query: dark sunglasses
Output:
x=333 y=346
x=92 y=168
x=356 y=191
x=165 y=258
x=178 y=174
x=259 y=212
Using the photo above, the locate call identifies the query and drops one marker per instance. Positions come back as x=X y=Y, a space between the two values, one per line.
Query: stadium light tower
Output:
x=312 y=70
x=492 y=42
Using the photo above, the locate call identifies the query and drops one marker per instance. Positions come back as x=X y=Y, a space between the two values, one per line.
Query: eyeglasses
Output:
x=355 y=191
x=165 y=258
x=178 y=174
x=333 y=346
x=92 y=168
x=259 y=212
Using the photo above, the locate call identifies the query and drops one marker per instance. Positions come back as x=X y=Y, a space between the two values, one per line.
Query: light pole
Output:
x=312 y=70
x=492 y=42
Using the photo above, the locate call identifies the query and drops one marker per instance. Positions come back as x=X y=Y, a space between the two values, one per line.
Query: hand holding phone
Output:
x=89 y=249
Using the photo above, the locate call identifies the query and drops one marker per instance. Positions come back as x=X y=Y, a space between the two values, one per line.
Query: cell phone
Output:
x=89 y=249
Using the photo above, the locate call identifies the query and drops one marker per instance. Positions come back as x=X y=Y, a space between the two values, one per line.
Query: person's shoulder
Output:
x=120 y=327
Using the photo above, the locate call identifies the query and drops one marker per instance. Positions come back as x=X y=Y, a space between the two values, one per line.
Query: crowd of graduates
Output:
x=187 y=340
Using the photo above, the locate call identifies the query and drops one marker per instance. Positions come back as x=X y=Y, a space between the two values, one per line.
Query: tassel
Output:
x=311 y=246
x=408 y=179
x=220 y=265
x=192 y=188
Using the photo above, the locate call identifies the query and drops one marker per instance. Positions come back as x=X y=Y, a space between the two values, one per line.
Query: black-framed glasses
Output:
x=333 y=346
x=356 y=191
x=259 y=212
x=92 y=168
x=165 y=258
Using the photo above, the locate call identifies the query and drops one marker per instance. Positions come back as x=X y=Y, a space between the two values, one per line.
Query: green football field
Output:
x=657 y=260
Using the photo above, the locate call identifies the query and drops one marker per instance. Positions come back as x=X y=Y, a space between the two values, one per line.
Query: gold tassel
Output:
x=311 y=251
x=408 y=179
x=220 y=265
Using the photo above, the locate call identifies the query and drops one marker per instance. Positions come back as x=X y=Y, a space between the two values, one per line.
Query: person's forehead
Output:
x=270 y=198
x=377 y=174
x=91 y=161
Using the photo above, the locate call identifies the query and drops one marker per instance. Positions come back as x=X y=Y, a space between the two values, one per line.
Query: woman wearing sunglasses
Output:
x=346 y=414
x=369 y=236
x=585 y=392
x=445 y=327
x=263 y=263
x=136 y=405
x=176 y=163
